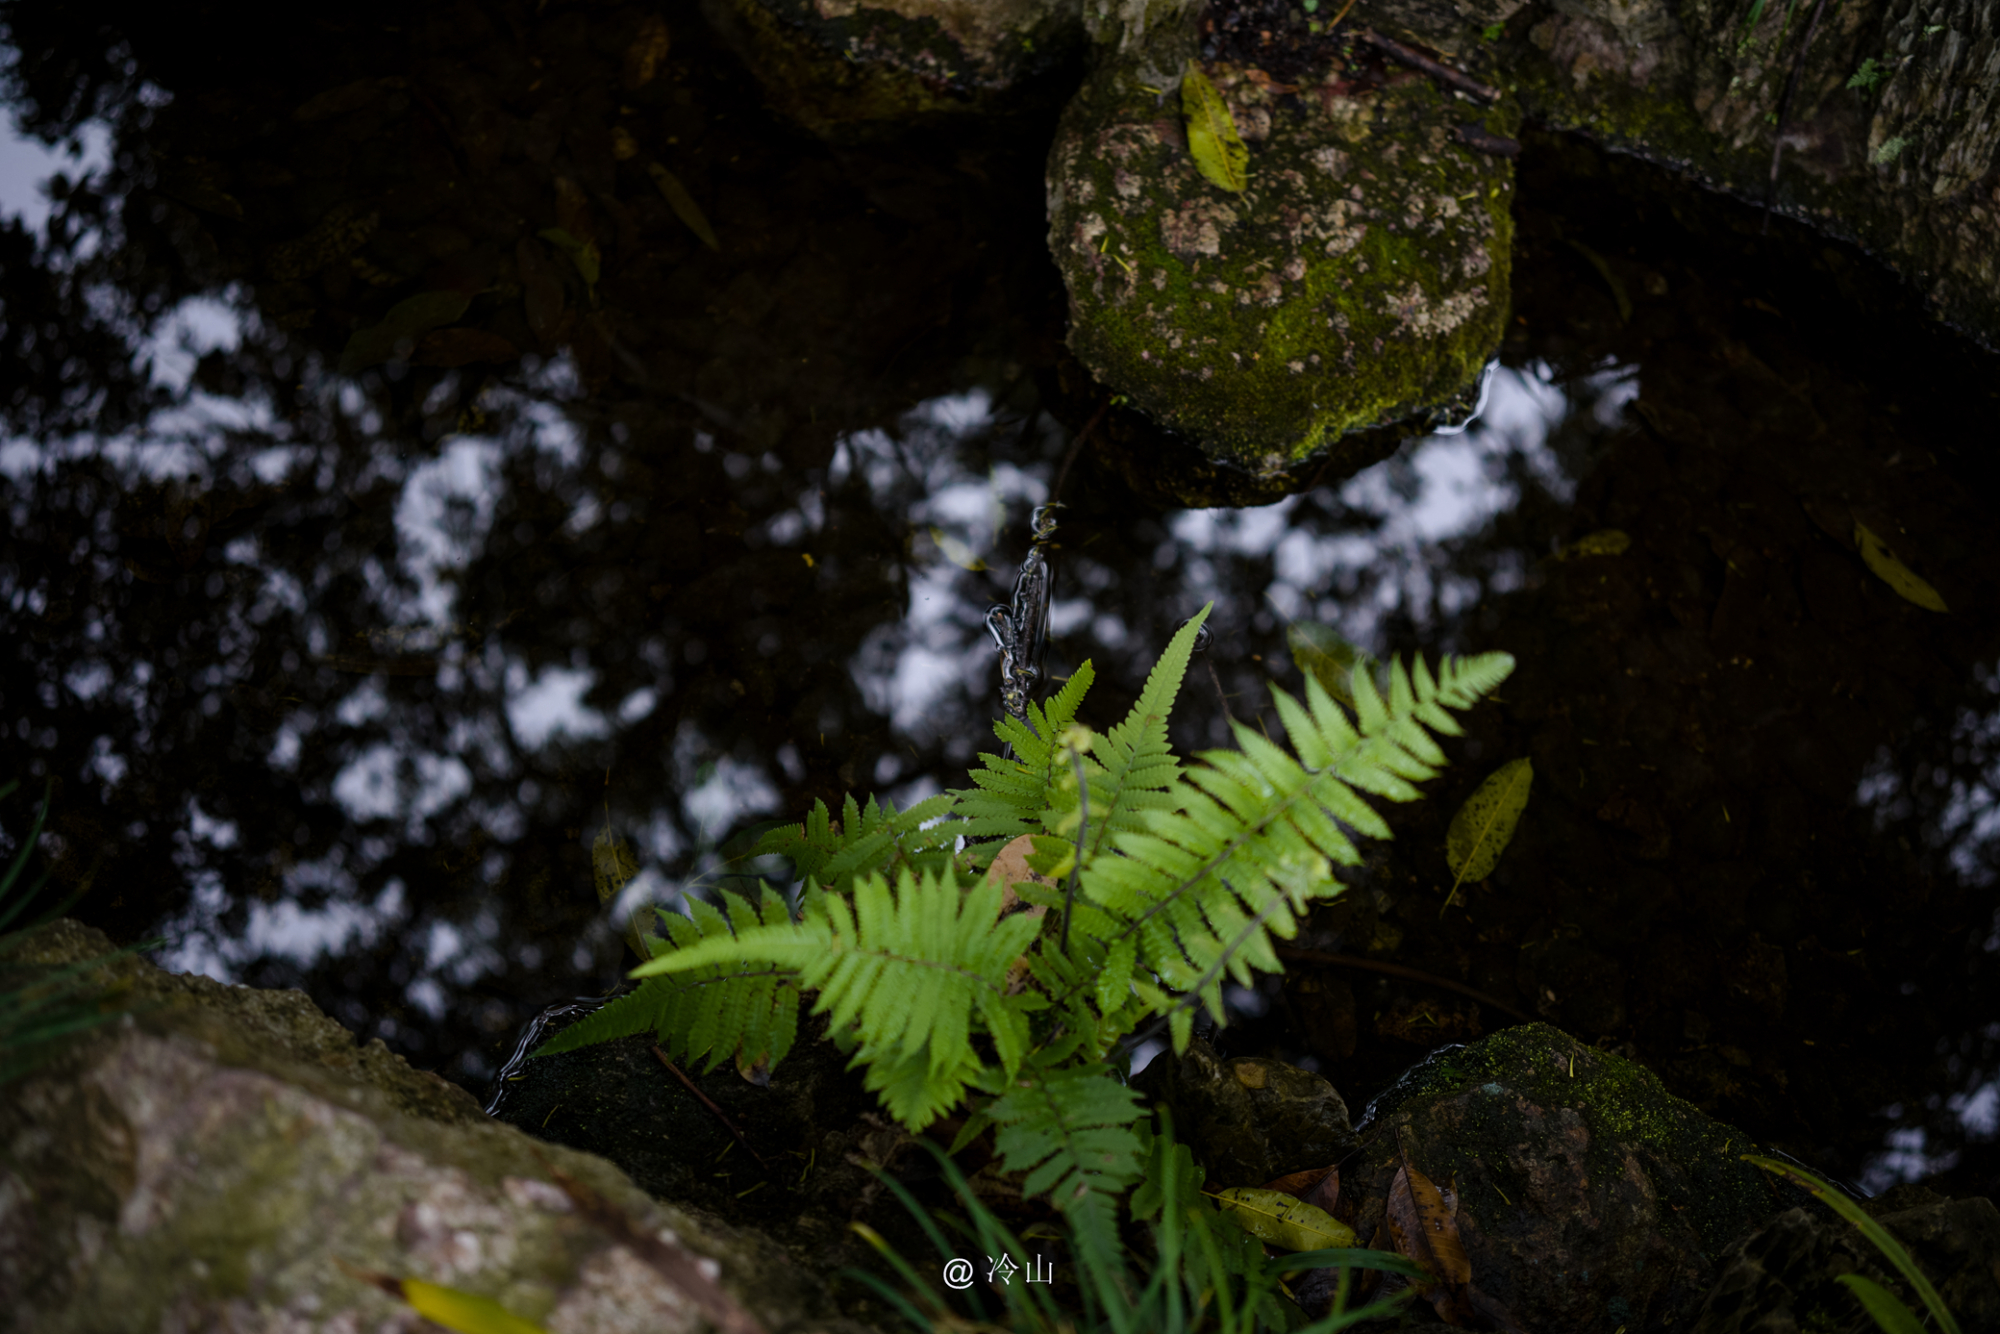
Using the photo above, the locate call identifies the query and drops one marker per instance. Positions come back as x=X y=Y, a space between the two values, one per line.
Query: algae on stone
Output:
x=1358 y=281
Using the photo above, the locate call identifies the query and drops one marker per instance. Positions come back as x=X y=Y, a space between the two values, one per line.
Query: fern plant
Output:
x=1171 y=881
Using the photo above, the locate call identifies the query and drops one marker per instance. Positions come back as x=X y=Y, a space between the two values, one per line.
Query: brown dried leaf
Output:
x=1317 y=1186
x=1296 y=1183
x=1425 y=1228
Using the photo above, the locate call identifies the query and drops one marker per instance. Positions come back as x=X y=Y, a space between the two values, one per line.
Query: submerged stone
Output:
x=1358 y=283
x=1249 y=1120
x=862 y=69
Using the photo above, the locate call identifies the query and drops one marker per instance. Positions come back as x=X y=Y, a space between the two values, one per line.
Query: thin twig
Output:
x=1327 y=960
x=1416 y=60
x=709 y=1103
x=1217 y=679
x=1784 y=114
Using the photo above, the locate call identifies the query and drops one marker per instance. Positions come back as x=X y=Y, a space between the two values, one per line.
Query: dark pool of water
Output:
x=338 y=676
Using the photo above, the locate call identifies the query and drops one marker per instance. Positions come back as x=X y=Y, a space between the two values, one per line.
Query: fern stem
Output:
x=1082 y=830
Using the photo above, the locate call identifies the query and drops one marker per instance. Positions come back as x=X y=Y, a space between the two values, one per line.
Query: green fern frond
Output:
x=1071 y=1131
x=717 y=1010
x=1136 y=768
x=906 y=970
x=1201 y=891
x=868 y=839
x=1008 y=796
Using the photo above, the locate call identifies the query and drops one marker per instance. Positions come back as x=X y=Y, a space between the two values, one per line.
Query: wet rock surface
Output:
x=215 y=1160
x=1249 y=1120
x=859 y=69
x=801 y=1166
x=1359 y=279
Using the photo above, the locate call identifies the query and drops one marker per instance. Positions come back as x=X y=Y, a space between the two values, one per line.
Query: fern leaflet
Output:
x=906 y=970
x=1136 y=770
x=871 y=838
x=1008 y=797
x=1197 y=894
x=717 y=1010
x=1071 y=1131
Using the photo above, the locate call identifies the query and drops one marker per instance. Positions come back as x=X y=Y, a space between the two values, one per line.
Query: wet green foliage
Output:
x=1172 y=882
x=1201 y=1271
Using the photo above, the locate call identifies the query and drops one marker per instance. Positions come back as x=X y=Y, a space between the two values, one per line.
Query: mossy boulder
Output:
x=1358 y=282
x=1588 y=1196
x=855 y=70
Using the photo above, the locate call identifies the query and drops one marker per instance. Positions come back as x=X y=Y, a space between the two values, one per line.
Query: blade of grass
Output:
x=1884 y=1241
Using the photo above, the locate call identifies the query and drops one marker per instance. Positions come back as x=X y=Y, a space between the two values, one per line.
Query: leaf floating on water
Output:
x=1219 y=151
x=583 y=254
x=683 y=205
x=1608 y=542
x=1283 y=1220
x=1323 y=655
x=407 y=321
x=1485 y=824
x=1894 y=573
x=956 y=551
x=648 y=48
x=613 y=867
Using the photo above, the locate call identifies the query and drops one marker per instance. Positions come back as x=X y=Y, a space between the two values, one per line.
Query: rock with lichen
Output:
x=851 y=70
x=1358 y=282
x=229 y=1158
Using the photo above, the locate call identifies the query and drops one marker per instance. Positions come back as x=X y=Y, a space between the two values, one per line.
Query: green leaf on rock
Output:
x=1219 y=151
x=1485 y=824
x=1894 y=573
x=407 y=321
x=464 y=1312
x=683 y=205
x=1284 y=1220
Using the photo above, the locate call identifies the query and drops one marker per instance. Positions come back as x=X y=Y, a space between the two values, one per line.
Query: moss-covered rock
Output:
x=228 y=1158
x=1360 y=280
x=1589 y=1197
x=851 y=70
